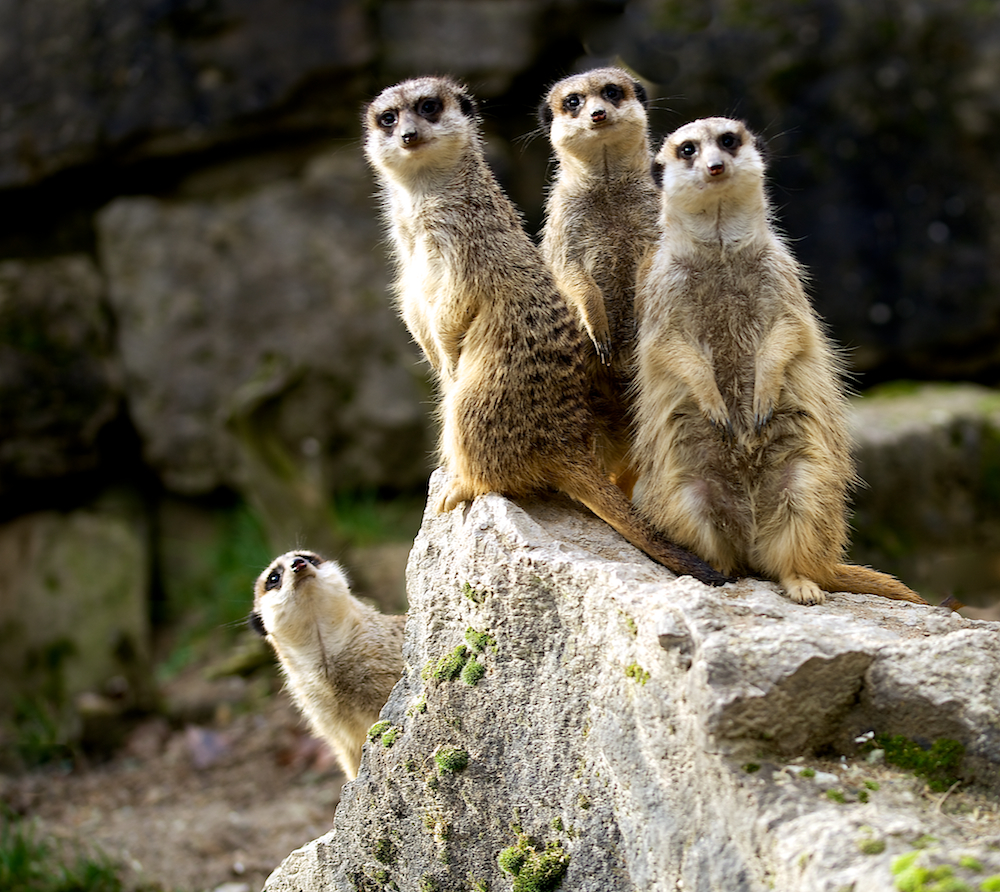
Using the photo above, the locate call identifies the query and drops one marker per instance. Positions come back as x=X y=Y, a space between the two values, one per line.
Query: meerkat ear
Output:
x=640 y=93
x=468 y=105
x=545 y=114
x=762 y=147
x=256 y=622
x=657 y=171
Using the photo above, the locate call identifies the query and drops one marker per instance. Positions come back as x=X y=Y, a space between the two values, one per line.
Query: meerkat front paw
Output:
x=763 y=412
x=803 y=591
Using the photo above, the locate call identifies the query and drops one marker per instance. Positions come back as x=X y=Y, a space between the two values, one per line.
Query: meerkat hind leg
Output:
x=801 y=535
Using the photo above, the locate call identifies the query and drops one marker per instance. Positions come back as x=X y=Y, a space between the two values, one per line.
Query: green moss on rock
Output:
x=451 y=758
x=937 y=764
x=534 y=870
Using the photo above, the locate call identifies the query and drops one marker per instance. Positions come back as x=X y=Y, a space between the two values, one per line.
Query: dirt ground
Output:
x=210 y=806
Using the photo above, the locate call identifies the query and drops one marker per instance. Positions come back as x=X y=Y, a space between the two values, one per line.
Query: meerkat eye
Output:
x=729 y=141
x=613 y=93
x=427 y=108
x=572 y=102
x=387 y=119
x=273 y=580
x=686 y=150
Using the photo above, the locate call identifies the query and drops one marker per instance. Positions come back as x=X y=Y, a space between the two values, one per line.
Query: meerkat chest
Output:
x=424 y=276
x=721 y=303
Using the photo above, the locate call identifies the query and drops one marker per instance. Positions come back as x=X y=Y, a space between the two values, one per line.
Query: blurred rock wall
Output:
x=192 y=282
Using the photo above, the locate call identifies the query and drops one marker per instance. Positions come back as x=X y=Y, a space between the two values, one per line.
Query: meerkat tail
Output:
x=865 y=581
x=608 y=502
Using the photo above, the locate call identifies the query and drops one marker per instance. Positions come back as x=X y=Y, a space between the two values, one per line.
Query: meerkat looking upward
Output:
x=515 y=408
x=602 y=218
x=341 y=657
x=742 y=438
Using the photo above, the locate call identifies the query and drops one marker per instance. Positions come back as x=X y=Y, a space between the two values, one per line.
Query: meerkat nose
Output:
x=598 y=115
x=715 y=168
x=299 y=564
x=409 y=137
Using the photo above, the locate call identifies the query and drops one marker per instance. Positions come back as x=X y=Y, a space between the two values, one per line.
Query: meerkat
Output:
x=602 y=217
x=514 y=408
x=340 y=657
x=741 y=429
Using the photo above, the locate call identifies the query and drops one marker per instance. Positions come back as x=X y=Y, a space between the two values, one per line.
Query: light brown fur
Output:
x=340 y=657
x=601 y=220
x=742 y=438
x=474 y=291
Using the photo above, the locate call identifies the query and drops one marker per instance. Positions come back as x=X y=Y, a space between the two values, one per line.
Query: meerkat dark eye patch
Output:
x=687 y=150
x=613 y=93
x=256 y=622
x=572 y=103
x=430 y=108
x=273 y=580
x=730 y=142
x=387 y=120
x=313 y=559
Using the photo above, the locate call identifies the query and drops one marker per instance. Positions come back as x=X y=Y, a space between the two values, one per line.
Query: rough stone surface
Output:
x=652 y=729
x=929 y=456
x=256 y=330
x=60 y=381
x=87 y=81
x=74 y=616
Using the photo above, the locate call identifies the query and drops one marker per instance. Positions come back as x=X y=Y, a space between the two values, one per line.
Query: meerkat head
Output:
x=709 y=159
x=426 y=123
x=586 y=114
x=291 y=589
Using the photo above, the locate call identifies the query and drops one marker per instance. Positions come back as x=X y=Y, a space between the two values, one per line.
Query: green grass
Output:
x=29 y=863
x=364 y=518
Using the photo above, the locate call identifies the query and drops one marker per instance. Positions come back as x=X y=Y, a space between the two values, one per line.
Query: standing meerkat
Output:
x=602 y=217
x=742 y=438
x=341 y=657
x=515 y=409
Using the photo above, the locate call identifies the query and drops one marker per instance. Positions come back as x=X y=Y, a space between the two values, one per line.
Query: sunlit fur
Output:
x=340 y=657
x=742 y=438
x=515 y=409
x=602 y=215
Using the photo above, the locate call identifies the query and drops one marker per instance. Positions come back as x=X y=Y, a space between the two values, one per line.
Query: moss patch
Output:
x=449 y=667
x=637 y=672
x=937 y=764
x=479 y=641
x=451 y=758
x=377 y=730
x=473 y=671
x=477 y=597
x=534 y=870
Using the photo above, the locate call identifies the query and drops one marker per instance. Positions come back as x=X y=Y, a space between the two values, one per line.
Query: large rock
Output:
x=618 y=728
x=60 y=382
x=258 y=338
x=86 y=82
x=74 y=614
x=929 y=456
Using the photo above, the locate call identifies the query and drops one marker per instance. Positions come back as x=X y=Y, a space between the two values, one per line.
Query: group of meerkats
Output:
x=655 y=358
